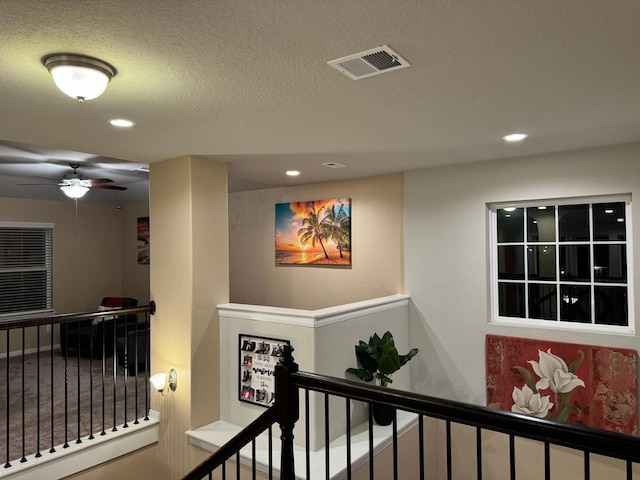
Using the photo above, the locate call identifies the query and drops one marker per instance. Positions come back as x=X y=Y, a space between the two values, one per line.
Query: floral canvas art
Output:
x=580 y=384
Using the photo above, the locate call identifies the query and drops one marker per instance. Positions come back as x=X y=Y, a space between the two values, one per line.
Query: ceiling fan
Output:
x=75 y=186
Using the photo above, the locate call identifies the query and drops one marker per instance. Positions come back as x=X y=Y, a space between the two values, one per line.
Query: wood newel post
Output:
x=287 y=408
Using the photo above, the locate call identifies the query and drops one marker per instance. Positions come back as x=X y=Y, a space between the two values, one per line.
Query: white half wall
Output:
x=324 y=343
x=446 y=255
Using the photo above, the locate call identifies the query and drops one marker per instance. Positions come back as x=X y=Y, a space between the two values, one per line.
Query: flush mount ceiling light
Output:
x=515 y=137
x=79 y=76
x=292 y=173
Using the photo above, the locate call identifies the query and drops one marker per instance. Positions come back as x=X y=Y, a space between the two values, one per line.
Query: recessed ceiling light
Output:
x=515 y=137
x=293 y=173
x=122 y=122
x=608 y=210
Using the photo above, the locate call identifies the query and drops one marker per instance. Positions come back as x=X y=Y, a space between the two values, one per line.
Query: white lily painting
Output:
x=581 y=384
x=556 y=379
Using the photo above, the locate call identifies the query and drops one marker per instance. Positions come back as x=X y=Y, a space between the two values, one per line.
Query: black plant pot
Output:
x=383 y=414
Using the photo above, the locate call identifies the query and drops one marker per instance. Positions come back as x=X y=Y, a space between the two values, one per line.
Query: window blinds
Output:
x=25 y=268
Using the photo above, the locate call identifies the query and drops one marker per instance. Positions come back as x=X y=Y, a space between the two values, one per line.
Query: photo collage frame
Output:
x=256 y=373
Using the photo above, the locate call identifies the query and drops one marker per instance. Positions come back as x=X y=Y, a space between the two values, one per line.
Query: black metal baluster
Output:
x=395 y=444
x=270 y=453
x=547 y=462
x=38 y=454
x=104 y=378
x=326 y=436
x=91 y=437
x=587 y=466
x=126 y=365
x=348 y=427
x=479 y=452
x=448 y=437
x=371 y=441
x=421 y=445
x=147 y=359
x=224 y=470
x=307 y=434
x=53 y=449
x=238 y=465
x=512 y=456
x=253 y=459
x=66 y=396
x=115 y=376
x=8 y=396
x=629 y=470
x=24 y=457
x=78 y=382
x=135 y=368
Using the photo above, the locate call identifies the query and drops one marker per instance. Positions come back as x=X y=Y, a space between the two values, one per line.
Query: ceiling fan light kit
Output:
x=74 y=189
x=75 y=186
x=79 y=76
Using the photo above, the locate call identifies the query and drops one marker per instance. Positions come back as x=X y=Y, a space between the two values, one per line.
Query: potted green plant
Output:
x=378 y=360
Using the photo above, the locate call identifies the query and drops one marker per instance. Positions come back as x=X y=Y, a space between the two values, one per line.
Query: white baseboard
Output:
x=77 y=457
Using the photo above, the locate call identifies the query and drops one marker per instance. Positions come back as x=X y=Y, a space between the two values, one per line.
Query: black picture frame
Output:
x=257 y=358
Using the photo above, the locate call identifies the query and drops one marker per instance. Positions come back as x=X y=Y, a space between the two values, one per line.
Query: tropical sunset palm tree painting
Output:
x=316 y=232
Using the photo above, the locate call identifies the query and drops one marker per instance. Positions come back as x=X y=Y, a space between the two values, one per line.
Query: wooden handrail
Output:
x=285 y=412
x=234 y=445
x=10 y=323
x=603 y=442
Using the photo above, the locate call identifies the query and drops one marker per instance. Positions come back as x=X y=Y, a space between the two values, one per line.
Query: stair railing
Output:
x=31 y=426
x=289 y=380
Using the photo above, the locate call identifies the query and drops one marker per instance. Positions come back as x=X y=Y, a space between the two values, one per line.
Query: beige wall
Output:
x=377 y=243
x=88 y=253
x=189 y=277
x=91 y=256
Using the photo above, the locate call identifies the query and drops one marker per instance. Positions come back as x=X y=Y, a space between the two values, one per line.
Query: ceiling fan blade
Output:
x=46 y=178
x=96 y=181
x=110 y=187
x=40 y=184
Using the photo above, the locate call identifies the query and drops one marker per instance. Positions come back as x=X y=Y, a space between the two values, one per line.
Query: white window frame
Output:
x=48 y=268
x=495 y=318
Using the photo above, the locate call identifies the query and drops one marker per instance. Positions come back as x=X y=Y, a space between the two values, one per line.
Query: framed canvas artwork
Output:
x=580 y=384
x=315 y=232
x=143 y=240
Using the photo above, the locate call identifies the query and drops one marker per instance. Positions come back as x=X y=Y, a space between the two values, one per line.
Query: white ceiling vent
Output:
x=372 y=62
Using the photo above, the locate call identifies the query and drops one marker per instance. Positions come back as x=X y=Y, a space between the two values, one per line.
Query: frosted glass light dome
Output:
x=78 y=76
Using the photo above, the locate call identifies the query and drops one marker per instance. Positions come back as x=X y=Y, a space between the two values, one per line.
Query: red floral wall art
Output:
x=580 y=384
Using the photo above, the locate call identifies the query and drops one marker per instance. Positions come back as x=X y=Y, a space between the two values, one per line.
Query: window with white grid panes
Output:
x=568 y=263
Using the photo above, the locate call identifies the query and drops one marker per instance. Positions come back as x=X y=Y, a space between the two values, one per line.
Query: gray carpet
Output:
x=22 y=409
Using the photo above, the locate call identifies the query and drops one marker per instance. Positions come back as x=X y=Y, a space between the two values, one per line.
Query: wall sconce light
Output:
x=79 y=76
x=159 y=381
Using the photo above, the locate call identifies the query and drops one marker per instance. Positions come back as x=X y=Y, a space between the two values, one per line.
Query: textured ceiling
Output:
x=246 y=82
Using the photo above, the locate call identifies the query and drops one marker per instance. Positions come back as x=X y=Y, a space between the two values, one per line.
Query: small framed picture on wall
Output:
x=143 y=241
x=256 y=373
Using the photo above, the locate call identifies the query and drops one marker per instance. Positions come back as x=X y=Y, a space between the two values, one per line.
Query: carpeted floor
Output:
x=32 y=412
